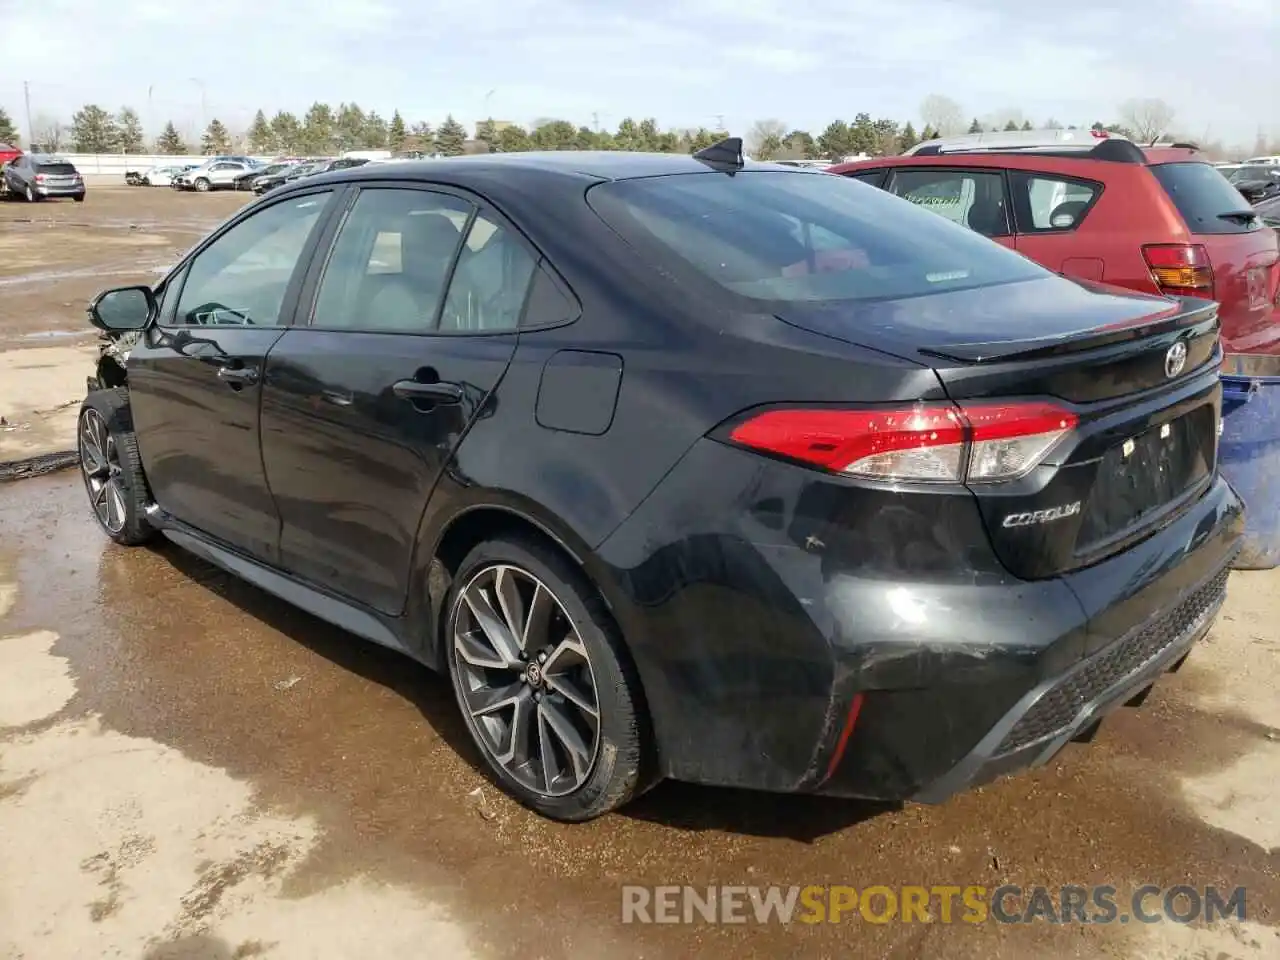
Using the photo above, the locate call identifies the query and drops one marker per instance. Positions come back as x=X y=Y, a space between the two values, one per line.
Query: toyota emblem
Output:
x=1175 y=360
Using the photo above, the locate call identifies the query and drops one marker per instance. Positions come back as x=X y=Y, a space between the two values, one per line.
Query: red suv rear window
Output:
x=1202 y=195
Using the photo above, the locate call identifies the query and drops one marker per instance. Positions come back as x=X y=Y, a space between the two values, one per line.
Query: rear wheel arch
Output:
x=481 y=523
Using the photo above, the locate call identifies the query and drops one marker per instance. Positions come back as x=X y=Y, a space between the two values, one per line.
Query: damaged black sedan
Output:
x=683 y=467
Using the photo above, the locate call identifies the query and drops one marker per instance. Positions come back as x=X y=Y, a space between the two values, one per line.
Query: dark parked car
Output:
x=37 y=176
x=682 y=466
x=247 y=180
x=295 y=171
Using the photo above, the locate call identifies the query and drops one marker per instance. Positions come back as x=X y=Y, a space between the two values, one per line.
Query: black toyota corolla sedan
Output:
x=683 y=467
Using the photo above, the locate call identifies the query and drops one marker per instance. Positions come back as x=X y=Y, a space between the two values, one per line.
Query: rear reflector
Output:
x=1180 y=269
x=980 y=442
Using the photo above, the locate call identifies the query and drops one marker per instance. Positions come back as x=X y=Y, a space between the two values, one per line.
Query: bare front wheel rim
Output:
x=103 y=476
x=526 y=680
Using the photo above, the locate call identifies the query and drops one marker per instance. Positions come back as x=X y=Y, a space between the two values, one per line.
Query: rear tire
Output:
x=541 y=744
x=30 y=194
x=111 y=467
x=79 y=198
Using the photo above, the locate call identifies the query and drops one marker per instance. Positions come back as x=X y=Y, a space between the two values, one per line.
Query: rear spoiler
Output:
x=1188 y=312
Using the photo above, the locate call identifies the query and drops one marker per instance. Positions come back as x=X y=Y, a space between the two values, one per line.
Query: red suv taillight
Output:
x=978 y=443
x=39 y=178
x=1180 y=269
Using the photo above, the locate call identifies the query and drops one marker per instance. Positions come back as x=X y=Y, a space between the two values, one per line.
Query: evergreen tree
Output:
x=396 y=133
x=8 y=132
x=976 y=126
x=907 y=138
x=216 y=139
x=513 y=139
x=261 y=137
x=317 y=130
x=374 y=134
x=451 y=138
x=170 y=142
x=93 y=130
x=286 y=132
x=1026 y=125
x=131 y=138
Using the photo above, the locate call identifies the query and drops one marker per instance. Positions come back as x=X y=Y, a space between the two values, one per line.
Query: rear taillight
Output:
x=1180 y=269
x=39 y=178
x=977 y=443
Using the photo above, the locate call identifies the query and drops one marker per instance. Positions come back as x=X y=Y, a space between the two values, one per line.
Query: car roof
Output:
x=597 y=165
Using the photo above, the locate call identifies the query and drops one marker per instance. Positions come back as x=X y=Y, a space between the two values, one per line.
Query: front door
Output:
x=366 y=398
x=195 y=377
x=972 y=197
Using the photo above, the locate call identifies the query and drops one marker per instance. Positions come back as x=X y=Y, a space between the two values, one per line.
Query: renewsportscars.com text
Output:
x=1008 y=903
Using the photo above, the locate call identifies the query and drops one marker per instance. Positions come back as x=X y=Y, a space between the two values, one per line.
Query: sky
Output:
x=688 y=63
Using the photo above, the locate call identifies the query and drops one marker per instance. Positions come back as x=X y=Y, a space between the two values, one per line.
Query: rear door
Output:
x=1049 y=211
x=413 y=326
x=1242 y=253
x=195 y=377
x=972 y=197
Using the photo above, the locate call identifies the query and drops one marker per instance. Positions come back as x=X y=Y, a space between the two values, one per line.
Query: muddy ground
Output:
x=193 y=770
x=54 y=257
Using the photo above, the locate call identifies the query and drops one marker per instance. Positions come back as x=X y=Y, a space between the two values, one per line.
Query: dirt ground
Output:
x=193 y=770
x=55 y=256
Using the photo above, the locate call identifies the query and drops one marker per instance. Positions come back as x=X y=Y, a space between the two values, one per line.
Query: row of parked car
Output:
x=236 y=172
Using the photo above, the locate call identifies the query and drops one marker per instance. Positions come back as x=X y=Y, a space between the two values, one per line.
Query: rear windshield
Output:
x=56 y=169
x=784 y=236
x=1202 y=195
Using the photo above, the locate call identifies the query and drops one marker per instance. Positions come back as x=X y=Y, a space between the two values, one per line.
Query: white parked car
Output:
x=164 y=176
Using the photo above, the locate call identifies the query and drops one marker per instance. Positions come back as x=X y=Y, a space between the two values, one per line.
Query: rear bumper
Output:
x=76 y=190
x=765 y=614
x=1069 y=706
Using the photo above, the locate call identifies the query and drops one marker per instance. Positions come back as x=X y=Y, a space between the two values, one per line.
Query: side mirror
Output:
x=124 y=308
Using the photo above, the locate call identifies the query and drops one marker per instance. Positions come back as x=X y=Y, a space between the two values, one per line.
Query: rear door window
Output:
x=971 y=198
x=800 y=237
x=1203 y=195
x=1044 y=203
x=873 y=177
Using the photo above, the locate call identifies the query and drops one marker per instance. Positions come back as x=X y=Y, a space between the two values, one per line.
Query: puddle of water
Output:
x=52 y=334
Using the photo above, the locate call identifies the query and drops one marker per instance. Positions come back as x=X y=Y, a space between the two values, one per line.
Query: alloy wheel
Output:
x=100 y=464
x=526 y=680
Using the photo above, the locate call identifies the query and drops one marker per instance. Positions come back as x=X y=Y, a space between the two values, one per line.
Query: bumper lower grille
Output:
x=1062 y=703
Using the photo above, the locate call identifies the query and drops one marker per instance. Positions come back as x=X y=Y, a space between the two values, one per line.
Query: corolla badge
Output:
x=1034 y=517
x=1175 y=360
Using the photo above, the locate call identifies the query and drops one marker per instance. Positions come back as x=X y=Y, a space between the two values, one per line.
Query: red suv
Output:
x=1160 y=219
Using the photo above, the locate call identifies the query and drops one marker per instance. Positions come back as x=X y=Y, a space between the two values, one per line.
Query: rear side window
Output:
x=872 y=177
x=971 y=198
x=1048 y=204
x=1202 y=195
x=791 y=237
x=56 y=169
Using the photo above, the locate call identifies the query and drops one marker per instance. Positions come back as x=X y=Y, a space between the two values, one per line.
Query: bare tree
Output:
x=1147 y=118
x=765 y=138
x=48 y=133
x=942 y=114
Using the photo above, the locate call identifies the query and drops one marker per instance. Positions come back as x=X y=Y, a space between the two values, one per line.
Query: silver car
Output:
x=216 y=174
x=36 y=176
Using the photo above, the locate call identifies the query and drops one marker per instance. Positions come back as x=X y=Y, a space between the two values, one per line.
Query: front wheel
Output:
x=111 y=467
x=545 y=685
x=203 y=185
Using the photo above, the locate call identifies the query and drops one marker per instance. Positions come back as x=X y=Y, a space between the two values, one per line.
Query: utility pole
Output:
x=26 y=97
x=719 y=121
x=595 y=121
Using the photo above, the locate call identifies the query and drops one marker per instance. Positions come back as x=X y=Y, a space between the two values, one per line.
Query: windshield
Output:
x=794 y=236
x=1202 y=195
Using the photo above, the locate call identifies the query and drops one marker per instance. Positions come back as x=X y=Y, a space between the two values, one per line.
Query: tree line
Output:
x=324 y=130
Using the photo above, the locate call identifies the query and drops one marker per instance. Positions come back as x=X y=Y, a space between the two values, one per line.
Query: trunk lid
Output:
x=1139 y=372
x=1242 y=250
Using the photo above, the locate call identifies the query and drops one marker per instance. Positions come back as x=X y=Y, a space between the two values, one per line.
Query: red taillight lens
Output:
x=1180 y=269
x=39 y=178
x=981 y=442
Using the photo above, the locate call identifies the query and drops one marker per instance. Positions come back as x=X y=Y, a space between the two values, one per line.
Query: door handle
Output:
x=238 y=376
x=434 y=392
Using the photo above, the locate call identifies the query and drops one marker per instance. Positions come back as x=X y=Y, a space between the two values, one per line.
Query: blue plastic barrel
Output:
x=1249 y=452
